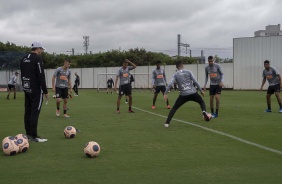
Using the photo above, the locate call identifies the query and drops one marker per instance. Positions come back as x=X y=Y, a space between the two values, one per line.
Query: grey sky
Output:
x=153 y=25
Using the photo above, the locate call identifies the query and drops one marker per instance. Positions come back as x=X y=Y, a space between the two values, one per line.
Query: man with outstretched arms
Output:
x=159 y=83
x=214 y=71
x=274 y=79
x=62 y=76
x=124 y=85
x=187 y=92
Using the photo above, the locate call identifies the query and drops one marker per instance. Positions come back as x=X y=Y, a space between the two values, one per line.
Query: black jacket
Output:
x=32 y=74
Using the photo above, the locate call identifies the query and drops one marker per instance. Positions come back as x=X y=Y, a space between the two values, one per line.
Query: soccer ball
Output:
x=70 y=132
x=22 y=142
x=92 y=149
x=209 y=117
x=9 y=146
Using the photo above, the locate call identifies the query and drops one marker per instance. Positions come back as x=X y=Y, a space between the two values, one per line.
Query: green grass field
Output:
x=136 y=148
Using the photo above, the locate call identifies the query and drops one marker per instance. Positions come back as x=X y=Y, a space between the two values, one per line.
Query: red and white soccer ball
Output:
x=92 y=149
x=207 y=118
x=22 y=142
x=70 y=132
x=9 y=146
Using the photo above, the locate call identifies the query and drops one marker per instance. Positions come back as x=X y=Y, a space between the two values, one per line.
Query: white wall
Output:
x=249 y=55
x=89 y=77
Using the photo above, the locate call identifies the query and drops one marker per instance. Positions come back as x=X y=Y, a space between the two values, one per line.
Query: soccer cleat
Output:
x=58 y=112
x=131 y=111
x=280 y=110
x=153 y=107
x=166 y=125
x=126 y=102
x=168 y=106
x=66 y=116
x=38 y=139
x=214 y=115
x=268 y=110
x=118 y=112
x=75 y=95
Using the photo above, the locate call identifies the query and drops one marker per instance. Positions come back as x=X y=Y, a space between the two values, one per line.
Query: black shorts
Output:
x=10 y=86
x=110 y=86
x=125 y=89
x=215 y=89
x=159 y=88
x=62 y=93
x=272 y=89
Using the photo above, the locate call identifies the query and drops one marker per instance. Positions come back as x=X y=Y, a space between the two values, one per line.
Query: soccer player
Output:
x=214 y=71
x=187 y=92
x=34 y=86
x=159 y=83
x=124 y=85
x=76 y=84
x=274 y=79
x=12 y=85
x=62 y=76
x=110 y=84
x=131 y=80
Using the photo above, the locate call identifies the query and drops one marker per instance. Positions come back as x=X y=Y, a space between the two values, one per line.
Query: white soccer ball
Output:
x=92 y=149
x=70 y=132
x=9 y=146
x=209 y=117
x=22 y=142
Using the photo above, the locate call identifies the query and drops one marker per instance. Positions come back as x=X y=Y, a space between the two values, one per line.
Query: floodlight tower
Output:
x=179 y=44
x=86 y=43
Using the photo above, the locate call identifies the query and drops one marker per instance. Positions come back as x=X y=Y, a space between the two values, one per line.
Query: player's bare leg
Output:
x=58 y=102
x=65 y=107
x=211 y=103
x=268 y=101
x=277 y=94
x=118 y=103
x=217 y=97
x=130 y=103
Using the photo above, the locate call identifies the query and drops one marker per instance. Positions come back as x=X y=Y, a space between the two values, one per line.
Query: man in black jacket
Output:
x=34 y=86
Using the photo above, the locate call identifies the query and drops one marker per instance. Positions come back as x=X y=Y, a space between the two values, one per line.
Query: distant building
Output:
x=271 y=30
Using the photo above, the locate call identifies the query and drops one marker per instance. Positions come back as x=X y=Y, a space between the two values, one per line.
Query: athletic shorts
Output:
x=125 y=89
x=272 y=89
x=62 y=93
x=10 y=86
x=215 y=89
x=159 y=88
x=110 y=86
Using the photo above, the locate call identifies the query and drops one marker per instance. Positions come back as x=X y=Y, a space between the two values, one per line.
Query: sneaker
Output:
x=166 y=125
x=214 y=115
x=66 y=116
x=58 y=112
x=153 y=107
x=168 y=106
x=269 y=110
x=126 y=102
x=118 y=111
x=280 y=110
x=38 y=139
x=131 y=111
x=75 y=95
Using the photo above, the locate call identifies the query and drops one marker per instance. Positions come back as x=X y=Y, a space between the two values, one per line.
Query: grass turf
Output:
x=136 y=148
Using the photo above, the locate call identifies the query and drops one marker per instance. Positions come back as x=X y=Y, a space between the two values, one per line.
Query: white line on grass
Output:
x=217 y=132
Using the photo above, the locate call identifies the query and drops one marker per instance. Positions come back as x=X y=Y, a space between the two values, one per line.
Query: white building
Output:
x=270 y=30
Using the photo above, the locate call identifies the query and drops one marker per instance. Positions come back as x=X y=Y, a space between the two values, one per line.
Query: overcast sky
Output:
x=208 y=25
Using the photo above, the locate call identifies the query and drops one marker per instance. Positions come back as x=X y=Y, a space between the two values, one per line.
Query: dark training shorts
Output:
x=62 y=93
x=215 y=89
x=272 y=89
x=125 y=89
